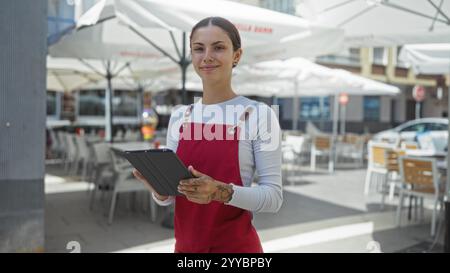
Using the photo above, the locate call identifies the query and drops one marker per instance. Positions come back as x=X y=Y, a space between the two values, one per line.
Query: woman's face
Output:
x=212 y=53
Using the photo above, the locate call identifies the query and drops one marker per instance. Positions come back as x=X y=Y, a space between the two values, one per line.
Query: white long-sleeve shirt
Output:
x=259 y=150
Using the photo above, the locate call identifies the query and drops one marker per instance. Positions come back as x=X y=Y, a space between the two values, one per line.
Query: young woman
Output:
x=223 y=138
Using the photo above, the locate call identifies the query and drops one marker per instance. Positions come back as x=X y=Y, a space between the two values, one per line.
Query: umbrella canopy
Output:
x=311 y=79
x=300 y=77
x=265 y=34
x=112 y=29
x=256 y=25
x=383 y=22
x=427 y=58
x=93 y=60
x=67 y=75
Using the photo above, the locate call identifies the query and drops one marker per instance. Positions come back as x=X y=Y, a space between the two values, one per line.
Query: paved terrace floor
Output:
x=321 y=212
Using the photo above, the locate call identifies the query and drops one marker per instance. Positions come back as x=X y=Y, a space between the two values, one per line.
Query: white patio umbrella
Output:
x=67 y=75
x=383 y=22
x=165 y=25
x=427 y=58
x=432 y=59
x=299 y=77
x=70 y=74
x=108 y=50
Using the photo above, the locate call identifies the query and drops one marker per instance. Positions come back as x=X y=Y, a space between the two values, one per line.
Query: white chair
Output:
x=131 y=135
x=377 y=165
x=124 y=181
x=102 y=175
x=84 y=155
x=351 y=148
x=56 y=146
x=422 y=180
x=71 y=153
x=62 y=151
x=292 y=153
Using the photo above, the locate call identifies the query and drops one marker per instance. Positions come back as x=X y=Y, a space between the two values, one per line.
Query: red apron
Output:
x=214 y=227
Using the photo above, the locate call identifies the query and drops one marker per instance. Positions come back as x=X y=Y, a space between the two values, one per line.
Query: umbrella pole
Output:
x=295 y=107
x=332 y=162
x=322 y=116
x=108 y=108
x=343 y=110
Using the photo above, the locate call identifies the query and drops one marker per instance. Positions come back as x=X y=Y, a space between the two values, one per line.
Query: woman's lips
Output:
x=208 y=68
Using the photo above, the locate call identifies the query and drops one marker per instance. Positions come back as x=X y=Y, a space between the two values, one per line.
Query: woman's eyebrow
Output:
x=215 y=43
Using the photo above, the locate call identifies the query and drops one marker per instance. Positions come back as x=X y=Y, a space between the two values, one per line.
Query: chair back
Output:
x=83 y=148
x=322 y=143
x=420 y=174
x=377 y=154
x=295 y=142
x=101 y=153
x=393 y=158
x=409 y=145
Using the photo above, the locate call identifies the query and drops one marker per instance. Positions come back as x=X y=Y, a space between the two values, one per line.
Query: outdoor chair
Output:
x=102 y=174
x=84 y=156
x=293 y=151
x=351 y=148
x=124 y=182
x=71 y=153
x=393 y=180
x=320 y=146
x=421 y=180
x=377 y=164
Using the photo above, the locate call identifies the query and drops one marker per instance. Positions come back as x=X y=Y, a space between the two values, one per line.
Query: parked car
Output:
x=409 y=131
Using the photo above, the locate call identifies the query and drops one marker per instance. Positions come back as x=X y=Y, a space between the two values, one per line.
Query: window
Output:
x=371 y=108
x=380 y=56
x=92 y=103
x=349 y=56
x=52 y=103
x=437 y=127
x=125 y=103
x=310 y=108
x=420 y=127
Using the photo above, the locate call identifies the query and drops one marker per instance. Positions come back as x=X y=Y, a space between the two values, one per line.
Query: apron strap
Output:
x=187 y=114
x=244 y=116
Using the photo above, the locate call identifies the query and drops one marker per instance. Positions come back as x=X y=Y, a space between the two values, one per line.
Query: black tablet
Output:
x=161 y=167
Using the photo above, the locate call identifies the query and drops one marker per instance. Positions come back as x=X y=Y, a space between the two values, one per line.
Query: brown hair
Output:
x=224 y=24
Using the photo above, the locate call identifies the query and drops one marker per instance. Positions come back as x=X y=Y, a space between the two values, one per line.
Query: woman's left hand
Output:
x=204 y=189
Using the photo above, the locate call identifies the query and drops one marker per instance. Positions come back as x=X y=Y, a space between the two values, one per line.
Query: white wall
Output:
x=385 y=109
x=354 y=111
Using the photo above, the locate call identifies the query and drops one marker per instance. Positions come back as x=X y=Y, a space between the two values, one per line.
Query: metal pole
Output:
x=417 y=110
x=108 y=105
x=343 y=111
x=335 y=132
x=295 y=106
x=140 y=105
x=322 y=116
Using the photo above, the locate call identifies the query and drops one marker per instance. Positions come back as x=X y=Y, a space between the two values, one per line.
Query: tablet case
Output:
x=161 y=167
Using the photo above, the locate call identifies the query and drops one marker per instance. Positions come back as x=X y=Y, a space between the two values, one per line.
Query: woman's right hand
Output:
x=141 y=178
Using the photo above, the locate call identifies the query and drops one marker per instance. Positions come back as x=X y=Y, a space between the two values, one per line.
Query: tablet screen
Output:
x=161 y=167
